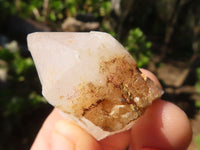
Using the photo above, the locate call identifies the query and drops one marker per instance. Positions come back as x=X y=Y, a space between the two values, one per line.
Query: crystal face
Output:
x=92 y=78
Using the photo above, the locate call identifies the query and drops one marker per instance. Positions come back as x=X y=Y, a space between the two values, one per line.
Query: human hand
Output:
x=163 y=127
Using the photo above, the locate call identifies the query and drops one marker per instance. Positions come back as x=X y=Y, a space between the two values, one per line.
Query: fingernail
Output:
x=59 y=139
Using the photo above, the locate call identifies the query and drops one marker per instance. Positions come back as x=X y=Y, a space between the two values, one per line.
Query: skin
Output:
x=164 y=126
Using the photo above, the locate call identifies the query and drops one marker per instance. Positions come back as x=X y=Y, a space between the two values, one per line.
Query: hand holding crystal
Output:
x=163 y=126
x=102 y=100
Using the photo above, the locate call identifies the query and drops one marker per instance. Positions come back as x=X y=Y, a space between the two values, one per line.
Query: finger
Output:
x=164 y=122
x=60 y=142
x=163 y=126
x=42 y=141
x=73 y=137
x=119 y=141
x=151 y=76
x=57 y=133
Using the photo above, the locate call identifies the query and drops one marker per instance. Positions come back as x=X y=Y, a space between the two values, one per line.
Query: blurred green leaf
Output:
x=36 y=99
x=57 y=5
x=197 y=141
x=197 y=104
x=17 y=97
x=139 y=47
x=198 y=73
x=197 y=85
x=52 y=16
x=6 y=55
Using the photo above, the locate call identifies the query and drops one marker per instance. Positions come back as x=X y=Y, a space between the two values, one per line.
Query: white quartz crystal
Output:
x=92 y=79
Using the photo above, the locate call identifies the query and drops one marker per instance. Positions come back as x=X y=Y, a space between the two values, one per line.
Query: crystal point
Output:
x=92 y=79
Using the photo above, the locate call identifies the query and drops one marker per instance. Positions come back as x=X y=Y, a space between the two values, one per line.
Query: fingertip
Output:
x=61 y=142
x=79 y=137
x=176 y=126
x=163 y=126
x=151 y=76
x=119 y=141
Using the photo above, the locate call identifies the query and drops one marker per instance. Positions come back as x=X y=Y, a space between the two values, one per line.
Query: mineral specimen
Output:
x=92 y=79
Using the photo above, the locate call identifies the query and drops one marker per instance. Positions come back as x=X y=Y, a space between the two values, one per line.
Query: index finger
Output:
x=163 y=126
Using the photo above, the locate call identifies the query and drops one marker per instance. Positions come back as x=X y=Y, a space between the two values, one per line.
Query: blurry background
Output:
x=162 y=35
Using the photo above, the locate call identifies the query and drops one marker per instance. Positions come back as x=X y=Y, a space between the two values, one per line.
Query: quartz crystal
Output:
x=92 y=79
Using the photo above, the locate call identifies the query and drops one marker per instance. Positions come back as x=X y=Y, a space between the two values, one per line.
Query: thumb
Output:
x=59 y=140
x=67 y=135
